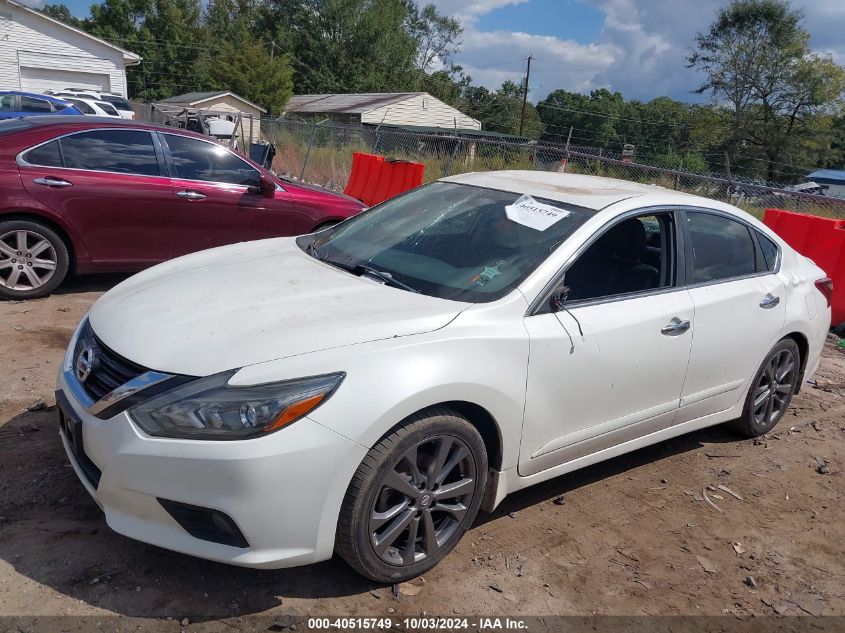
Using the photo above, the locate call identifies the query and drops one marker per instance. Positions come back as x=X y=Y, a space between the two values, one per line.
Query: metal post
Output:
x=728 y=174
x=448 y=167
x=308 y=151
x=566 y=152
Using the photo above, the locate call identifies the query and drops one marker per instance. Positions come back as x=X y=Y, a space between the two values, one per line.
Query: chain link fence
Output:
x=321 y=153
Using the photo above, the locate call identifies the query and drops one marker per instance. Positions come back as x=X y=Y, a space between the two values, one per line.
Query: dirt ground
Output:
x=633 y=535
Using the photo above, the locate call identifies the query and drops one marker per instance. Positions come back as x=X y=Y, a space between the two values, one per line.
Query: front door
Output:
x=608 y=365
x=217 y=199
x=108 y=184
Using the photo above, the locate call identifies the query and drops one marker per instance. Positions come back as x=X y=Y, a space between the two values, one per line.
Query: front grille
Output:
x=108 y=371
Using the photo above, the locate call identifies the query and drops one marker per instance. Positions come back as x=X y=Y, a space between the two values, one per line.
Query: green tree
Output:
x=756 y=58
x=437 y=36
x=61 y=13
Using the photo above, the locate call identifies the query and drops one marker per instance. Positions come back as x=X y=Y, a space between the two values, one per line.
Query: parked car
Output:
x=90 y=107
x=86 y=195
x=369 y=387
x=121 y=104
x=14 y=105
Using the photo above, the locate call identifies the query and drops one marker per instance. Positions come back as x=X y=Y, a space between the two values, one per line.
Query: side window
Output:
x=47 y=155
x=7 y=103
x=770 y=253
x=193 y=159
x=83 y=107
x=120 y=151
x=721 y=248
x=635 y=255
x=30 y=104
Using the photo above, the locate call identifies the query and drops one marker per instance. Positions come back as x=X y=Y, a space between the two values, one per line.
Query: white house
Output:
x=38 y=53
x=418 y=109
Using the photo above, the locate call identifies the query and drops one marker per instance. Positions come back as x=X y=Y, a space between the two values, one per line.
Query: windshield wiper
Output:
x=360 y=269
x=386 y=277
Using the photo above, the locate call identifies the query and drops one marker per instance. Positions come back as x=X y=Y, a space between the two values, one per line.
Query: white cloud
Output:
x=641 y=50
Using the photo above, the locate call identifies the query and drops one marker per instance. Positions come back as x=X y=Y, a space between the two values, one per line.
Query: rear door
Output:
x=216 y=197
x=740 y=310
x=108 y=183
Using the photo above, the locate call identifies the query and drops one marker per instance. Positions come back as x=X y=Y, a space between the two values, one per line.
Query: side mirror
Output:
x=559 y=297
x=266 y=186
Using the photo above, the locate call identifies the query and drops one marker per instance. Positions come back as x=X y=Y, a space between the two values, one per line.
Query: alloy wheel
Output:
x=771 y=394
x=27 y=260
x=422 y=501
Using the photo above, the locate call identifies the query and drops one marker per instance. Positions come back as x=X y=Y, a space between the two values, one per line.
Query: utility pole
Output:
x=525 y=94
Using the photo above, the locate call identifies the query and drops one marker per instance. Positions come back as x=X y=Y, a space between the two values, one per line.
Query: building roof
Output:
x=192 y=99
x=129 y=58
x=345 y=103
x=590 y=192
x=828 y=175
x=468 y=132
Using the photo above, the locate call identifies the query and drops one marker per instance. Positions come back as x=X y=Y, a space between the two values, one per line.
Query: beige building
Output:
x=219 y=102
x=418 y=109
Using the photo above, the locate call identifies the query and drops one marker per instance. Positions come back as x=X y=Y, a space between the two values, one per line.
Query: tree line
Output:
x=775 y=111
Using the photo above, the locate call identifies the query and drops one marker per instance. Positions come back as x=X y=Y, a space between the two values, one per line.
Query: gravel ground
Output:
x=630 y=536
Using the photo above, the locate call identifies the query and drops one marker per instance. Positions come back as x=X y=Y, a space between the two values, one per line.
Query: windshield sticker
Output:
x=486 y=276
x=535 y=215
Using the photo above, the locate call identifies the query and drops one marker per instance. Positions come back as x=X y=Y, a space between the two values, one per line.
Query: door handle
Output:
x=674 y=327
x=769 y=301
x=49 y=181
x=191 y=195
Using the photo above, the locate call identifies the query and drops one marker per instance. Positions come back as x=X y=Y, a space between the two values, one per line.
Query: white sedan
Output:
x=366 y=389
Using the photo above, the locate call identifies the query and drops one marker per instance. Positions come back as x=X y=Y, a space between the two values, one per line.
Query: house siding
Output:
x=27 y=41
x=420 y=110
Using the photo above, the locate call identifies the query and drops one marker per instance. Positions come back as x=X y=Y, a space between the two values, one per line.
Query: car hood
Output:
x=253 y=302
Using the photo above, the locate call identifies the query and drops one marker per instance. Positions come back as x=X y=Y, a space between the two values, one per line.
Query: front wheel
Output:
x=33 y=259
x=414 y=495
x=771 y=390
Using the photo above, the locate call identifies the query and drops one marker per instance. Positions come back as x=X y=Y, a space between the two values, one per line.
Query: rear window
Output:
x=107 y=108
x=118 y=102
x=30 y=104
x=47 y=155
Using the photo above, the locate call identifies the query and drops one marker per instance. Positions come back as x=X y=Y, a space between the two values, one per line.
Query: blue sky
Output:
x=637 y=47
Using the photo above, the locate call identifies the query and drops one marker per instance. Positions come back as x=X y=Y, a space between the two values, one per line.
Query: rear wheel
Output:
x=33 y=259
x=414 y=495
x=771 y=390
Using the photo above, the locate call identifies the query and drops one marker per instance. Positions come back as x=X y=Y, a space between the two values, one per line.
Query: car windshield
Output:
x=450 y=240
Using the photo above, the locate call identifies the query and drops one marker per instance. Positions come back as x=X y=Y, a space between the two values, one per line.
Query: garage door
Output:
x=41 y=79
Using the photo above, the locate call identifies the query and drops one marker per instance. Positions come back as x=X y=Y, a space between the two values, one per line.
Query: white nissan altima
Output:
x=366 y=389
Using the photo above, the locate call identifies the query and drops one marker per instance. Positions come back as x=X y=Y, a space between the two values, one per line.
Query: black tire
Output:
x=17 y=265
x=764 y=406
x=437 y=524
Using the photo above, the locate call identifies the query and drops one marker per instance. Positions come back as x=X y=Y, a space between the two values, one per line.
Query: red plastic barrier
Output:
x=820 y=239
x=366 y=171
x=374 y=179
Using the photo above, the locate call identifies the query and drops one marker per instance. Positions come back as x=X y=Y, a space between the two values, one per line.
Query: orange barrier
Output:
x=374 y=179
x=820 y=239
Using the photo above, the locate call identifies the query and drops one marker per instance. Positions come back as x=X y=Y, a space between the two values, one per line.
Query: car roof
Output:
x=591 y=192
x=35 y=95
x=80 y=121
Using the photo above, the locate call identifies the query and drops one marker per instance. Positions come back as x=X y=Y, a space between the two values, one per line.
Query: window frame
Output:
x=753 y=233
x=540 y=305
x=159 y=154
x=171 y=170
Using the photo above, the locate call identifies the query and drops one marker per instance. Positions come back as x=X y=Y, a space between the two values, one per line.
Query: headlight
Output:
x=210 y=409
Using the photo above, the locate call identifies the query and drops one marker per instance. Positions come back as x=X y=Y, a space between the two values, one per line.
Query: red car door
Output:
x=108 y=184
x=219 y=201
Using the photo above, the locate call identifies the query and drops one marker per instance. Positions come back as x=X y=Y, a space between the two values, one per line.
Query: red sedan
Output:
x=89 y=195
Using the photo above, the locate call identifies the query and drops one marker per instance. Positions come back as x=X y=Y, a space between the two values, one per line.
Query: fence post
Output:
x=447 y=168
x=534 y=156
x=566 y=152
x=308 y=151
x=598 y=163
x=728 y=174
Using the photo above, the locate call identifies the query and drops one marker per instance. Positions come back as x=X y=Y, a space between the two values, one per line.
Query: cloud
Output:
x=641 y=49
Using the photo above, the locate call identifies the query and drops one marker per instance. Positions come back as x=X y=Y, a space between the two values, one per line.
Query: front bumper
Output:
x=282 y=491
